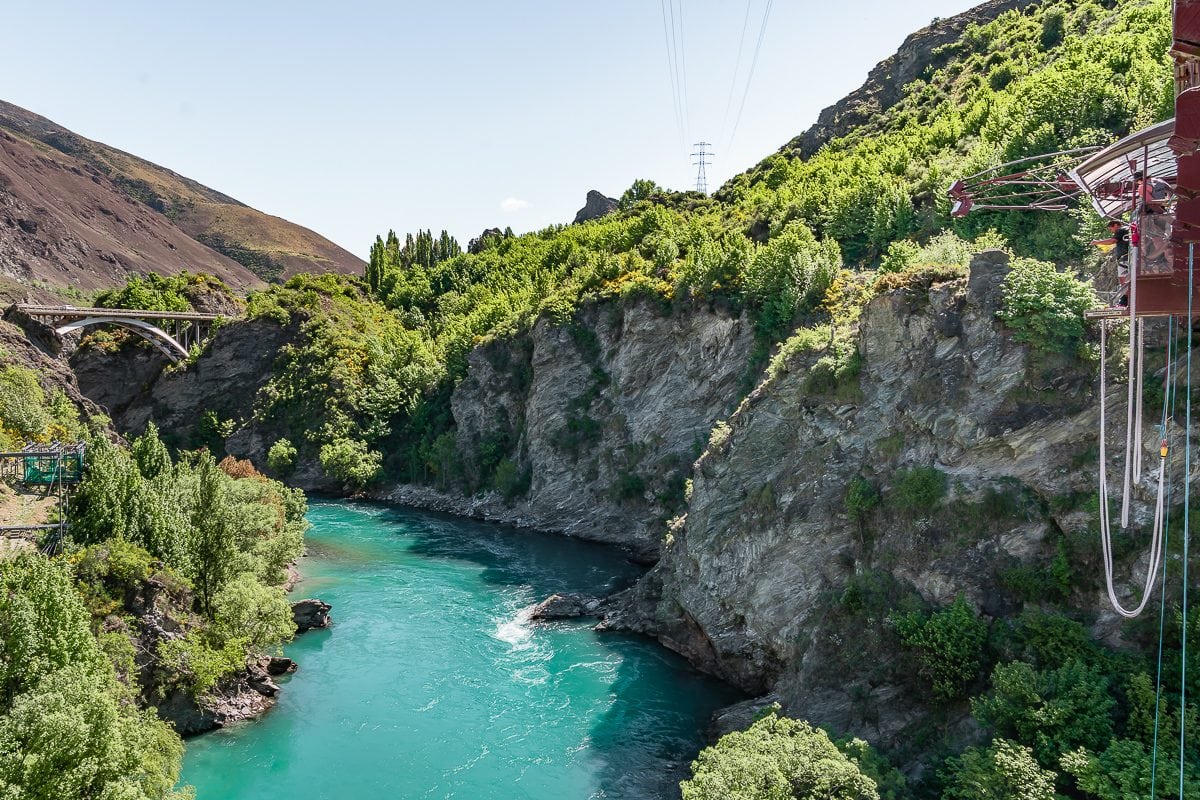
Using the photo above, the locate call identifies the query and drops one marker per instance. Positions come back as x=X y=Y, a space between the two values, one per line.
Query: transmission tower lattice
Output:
x=700 y=161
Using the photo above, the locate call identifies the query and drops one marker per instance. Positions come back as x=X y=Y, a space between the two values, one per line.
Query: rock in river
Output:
x=310 y=614
x=566 y=606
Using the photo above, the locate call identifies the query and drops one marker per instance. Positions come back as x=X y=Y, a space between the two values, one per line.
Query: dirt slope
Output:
x=49 y=175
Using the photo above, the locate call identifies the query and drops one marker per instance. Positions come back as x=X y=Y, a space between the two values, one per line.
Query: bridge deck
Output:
x=75 y=311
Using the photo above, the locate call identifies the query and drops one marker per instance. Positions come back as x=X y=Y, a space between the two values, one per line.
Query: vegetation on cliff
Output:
x=170 y=582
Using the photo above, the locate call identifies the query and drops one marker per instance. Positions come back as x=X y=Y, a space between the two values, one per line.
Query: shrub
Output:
x=1056 y=711
x=918 y=490
x=281 y=457
x=196 y=665
x=350 y=461
x=1002 y=770
x=1044 y=307
x=258 y=615
x=862 y=498
x=23 y=414
x=777 y=758
x=949 y=646
x=510 y=480
x=719 y=435
x=67 y=728
x=792 y=269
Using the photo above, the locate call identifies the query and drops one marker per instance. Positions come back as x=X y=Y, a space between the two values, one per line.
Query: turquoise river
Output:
x=431 y=683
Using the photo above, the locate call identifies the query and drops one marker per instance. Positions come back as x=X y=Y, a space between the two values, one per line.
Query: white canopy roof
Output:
x=1107 y=176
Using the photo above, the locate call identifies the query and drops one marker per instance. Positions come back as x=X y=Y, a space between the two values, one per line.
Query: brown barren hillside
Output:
x=63 y=224
x=270 y=247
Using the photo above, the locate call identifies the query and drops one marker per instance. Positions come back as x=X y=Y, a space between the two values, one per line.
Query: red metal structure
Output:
x=1151 y=179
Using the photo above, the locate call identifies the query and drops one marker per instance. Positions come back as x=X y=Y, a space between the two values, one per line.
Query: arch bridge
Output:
x=172 y=332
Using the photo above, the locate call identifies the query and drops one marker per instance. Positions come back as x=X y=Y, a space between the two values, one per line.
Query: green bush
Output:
x=511 y=480
x=1055 y=711
x=918 y=490
x=1004 y=769
x=949 y=645
x=777 y=758
x=1044 y=307
x=67 y=728
x=281 y=457
x=351 y=462
x=862 y=498
x=195 y=664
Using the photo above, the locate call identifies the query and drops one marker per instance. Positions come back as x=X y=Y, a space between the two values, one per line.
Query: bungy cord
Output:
x=1156 y=534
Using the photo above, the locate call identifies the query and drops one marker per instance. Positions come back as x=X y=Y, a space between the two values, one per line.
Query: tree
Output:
x=1002 y=771
x=791 y=269
x=1056 y=711
x=949 y=645
x=281 y=458
x=150 y=453
x=24 y=416
x=67 y=728
x=351 y=462
x=246 y=609
x=641 y=189
x=1044 y=307
x=777 y=758
x=213 y=543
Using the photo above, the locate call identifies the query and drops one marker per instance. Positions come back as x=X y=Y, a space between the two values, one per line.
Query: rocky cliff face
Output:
x=596 y=206
x=224 y=380
x=885 y=83
x=32 y=345
x=589 y=427
x=769 y=582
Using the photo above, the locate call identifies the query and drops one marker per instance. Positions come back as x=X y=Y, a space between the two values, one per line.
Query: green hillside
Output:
x=771 y=241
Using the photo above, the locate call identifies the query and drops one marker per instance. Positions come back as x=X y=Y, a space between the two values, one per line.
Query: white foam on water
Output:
x=516 y=631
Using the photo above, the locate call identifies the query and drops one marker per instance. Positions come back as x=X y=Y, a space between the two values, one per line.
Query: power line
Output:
x=681 y=56
x=762 y=30
x=700 y=160
x=672 y=72
x=737 y=66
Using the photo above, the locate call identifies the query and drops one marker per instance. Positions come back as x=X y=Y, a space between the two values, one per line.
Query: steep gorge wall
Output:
x=598 y=419
x=770 y=583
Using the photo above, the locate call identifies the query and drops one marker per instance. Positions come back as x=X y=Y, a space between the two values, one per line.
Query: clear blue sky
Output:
x=353 y=117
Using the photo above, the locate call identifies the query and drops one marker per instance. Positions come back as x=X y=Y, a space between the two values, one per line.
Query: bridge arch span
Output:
x=151 y=333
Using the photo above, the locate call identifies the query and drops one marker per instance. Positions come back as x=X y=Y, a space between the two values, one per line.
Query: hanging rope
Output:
x=1156 y=534
x=1187 y=535
x=1168 y=403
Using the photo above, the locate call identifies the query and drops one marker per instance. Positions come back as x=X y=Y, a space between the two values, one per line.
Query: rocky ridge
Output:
x=596 y=206
x=884 y=86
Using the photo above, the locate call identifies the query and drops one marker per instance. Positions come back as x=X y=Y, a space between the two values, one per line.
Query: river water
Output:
x=431 y=684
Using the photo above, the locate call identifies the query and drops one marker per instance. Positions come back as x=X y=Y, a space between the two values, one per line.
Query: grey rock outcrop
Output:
x=480 y=242
x=565 y=606
x=311 y=613
x=754 y=580
x=235 y=700
x=596 y=206
x=598 y=420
